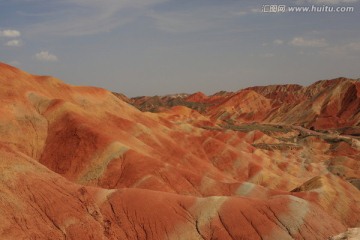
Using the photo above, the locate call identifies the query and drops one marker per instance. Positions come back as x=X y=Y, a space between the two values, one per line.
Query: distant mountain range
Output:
x=326 y=104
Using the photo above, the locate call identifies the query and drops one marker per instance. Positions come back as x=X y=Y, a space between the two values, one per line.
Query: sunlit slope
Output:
x=79 y=161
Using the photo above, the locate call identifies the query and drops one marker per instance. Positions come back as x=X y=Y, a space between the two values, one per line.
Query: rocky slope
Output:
x=82 y=163
x=350 y=234
x=327 y=104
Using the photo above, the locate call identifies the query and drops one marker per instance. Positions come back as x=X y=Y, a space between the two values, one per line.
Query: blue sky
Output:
x=149 y=47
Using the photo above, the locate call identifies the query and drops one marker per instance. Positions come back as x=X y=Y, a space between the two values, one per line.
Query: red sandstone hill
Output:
x=328 y=104
x=82 y=163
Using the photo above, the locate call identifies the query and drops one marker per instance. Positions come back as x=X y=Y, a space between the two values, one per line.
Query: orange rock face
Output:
x=277 y=162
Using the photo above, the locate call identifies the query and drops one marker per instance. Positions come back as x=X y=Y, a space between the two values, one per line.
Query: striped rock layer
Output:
x=82 y=163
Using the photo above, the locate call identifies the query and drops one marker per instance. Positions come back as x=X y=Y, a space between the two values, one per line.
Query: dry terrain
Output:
x=275 y=162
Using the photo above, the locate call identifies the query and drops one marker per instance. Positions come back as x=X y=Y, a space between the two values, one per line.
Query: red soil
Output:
x=80 y=163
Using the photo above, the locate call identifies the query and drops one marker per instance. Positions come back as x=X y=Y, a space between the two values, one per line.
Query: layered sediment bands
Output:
x=262 y=163
x=350 y=234
x=324 y=105
x=57 y=208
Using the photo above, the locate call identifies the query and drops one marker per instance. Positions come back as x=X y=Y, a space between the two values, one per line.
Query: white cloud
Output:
x=301 y=42
x=181 y=22
x=86 y=17
x=14 y=43
x=267 y=55
x=247 y=11
x=255 y=10
x=10 y=33
x=197 y=19
x=46 y=56
x=278 y=42
x=355 y=46
x=343 y=49
x=240 y=13
x=333 y=2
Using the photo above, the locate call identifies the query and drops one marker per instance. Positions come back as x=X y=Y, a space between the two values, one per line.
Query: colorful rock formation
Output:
x=278 y=162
